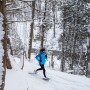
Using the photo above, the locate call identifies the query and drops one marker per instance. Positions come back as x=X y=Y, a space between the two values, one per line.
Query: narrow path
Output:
x=59 y=80
x=21 y=80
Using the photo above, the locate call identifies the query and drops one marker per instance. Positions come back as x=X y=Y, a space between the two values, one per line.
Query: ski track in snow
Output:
x=58 y=81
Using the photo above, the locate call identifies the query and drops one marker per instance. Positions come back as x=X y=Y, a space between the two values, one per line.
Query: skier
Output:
x=42 y=57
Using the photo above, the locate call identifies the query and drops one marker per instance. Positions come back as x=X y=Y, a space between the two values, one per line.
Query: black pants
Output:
x=42 y=68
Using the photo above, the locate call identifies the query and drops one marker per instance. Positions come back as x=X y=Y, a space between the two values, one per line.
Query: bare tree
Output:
x=4 y=41
x=31 y=31
x=43 y=27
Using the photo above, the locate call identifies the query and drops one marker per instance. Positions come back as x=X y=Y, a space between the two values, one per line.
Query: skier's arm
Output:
x=38 y=57
x=46 y=56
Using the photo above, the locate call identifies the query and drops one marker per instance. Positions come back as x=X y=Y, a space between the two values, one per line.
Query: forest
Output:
x=62 y=27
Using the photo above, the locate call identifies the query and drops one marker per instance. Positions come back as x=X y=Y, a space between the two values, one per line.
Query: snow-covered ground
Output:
x=17 y=79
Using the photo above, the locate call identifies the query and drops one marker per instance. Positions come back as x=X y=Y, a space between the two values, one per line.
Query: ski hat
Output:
x=43 y=49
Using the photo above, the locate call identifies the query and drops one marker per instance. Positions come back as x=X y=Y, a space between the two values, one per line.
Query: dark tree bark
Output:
x=53 y=9
x=43 y=27
x=52 y=60
x=42 y=36
x=2 y=8
x=31 y=32
x=5 y=61
x=9 y=46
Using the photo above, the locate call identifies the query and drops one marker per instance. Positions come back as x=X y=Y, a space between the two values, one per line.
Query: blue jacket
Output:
x=41 y=57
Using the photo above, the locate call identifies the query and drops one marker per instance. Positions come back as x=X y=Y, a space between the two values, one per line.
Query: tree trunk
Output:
x=53 y=9
x=62 y=61
x=52 y=61
x=31 y=32
x=42 y=36
x=23 y=58
x=43 y=27
x=4 y=42
x=9 y=46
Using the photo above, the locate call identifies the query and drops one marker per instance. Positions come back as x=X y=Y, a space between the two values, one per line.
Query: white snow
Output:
x=17 y=79
x=21 y=80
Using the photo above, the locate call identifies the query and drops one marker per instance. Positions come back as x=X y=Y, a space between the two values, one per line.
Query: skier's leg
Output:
x=44 y=71
x=39 y=68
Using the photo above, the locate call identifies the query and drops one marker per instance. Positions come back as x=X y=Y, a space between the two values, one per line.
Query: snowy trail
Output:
x=59 y=80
